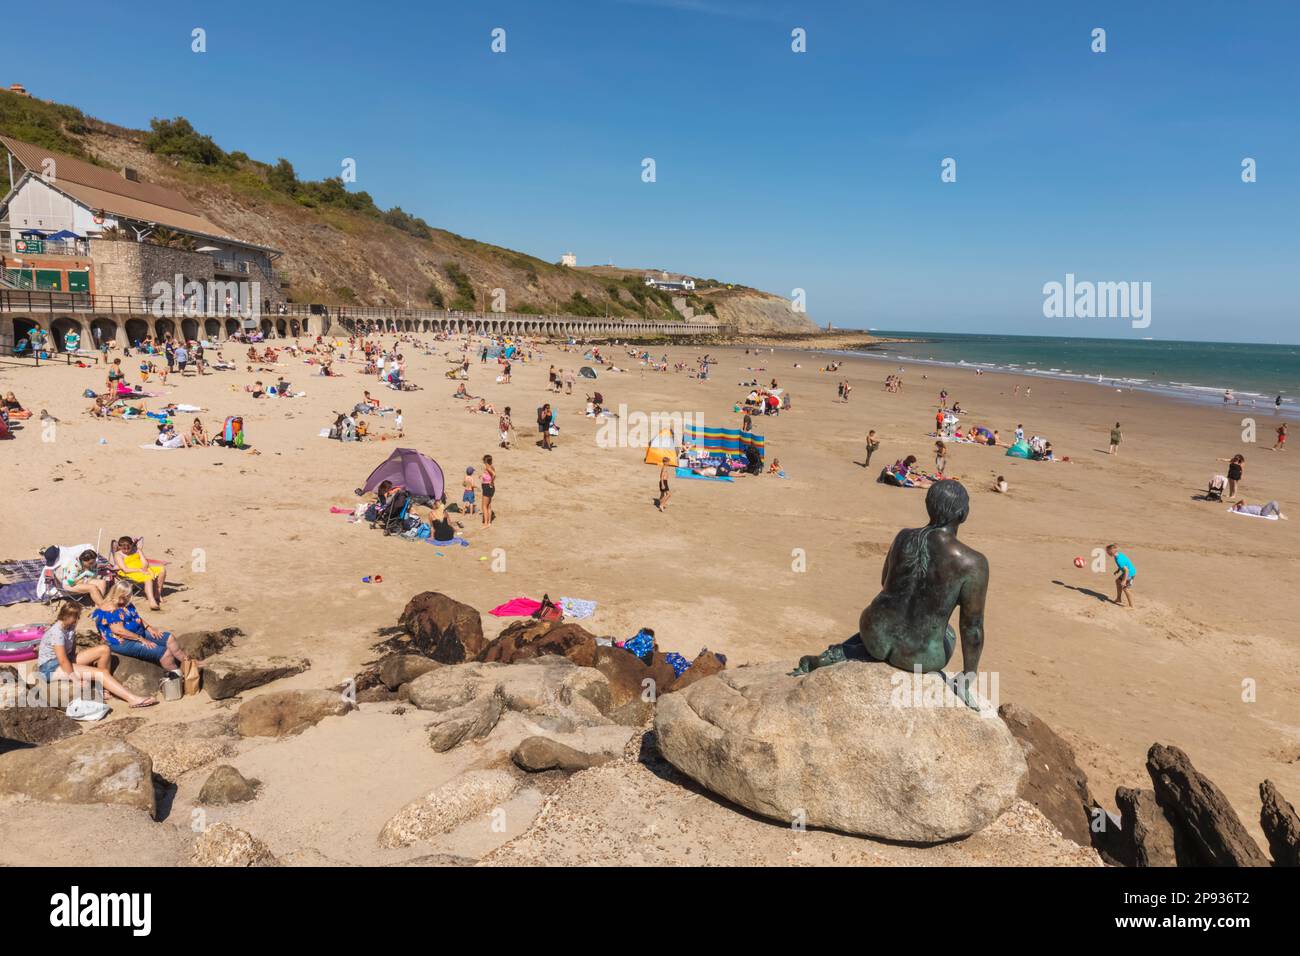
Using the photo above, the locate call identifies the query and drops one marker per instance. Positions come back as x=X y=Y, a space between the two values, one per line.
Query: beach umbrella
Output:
x=587 y=372
x=419 y=474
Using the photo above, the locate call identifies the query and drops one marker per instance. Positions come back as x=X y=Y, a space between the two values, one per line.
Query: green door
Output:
x=49 y=280
x=79 y=281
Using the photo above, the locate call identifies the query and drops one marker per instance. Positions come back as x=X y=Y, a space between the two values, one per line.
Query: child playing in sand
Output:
x=664 y=492
x=1125 y=572
x=467 y=495
x=398 y=424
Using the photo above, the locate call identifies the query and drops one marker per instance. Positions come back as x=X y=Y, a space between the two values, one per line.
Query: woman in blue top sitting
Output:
x=126 y=633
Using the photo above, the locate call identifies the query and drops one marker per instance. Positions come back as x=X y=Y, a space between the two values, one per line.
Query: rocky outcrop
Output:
x=1053 y=782
x=443 y=628
x=286 y=712
x=227 y=677
x=227 y=785
x=401 y=669
x=1147 y=836
x=1280 y=824
x=224 y=845
x=524 y=640
x=1200 y=811
x=88 y=768
x=843 y=748
x=473 y=794
x=550 y=685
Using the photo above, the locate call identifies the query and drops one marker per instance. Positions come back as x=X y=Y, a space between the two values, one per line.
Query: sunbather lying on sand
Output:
x=1263 y=511
x=14 y=408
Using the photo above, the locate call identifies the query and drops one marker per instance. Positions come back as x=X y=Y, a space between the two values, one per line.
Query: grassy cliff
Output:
x=341 y=247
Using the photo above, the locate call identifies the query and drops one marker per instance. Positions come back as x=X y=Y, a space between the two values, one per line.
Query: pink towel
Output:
x=517 y=607
x=335 y=510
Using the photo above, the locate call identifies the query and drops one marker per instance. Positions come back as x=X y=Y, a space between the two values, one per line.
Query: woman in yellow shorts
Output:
x=134 y=566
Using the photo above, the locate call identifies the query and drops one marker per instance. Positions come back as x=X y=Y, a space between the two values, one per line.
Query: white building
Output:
x=569 y=259
x=670 y=283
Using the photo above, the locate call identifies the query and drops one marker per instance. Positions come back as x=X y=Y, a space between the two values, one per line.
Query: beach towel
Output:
x=687 y=473
x=577 y=608
x=516 y=607
x=19 y=581
x=1247 y=514
x=641 y=645
x=163 y=447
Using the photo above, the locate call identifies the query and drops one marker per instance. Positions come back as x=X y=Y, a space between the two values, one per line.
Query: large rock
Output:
x=403 y=668
x=88 y=768
x=1053 y=783
x=224 y=845
x=847 y=747
x=286 y=712
x=1280 y=824
x=473 y=794
x=523 y=640
x=139 y=677
x=1200 y=811
x=470 y=721
x=625 y=673
x=443 y=628
x=228 y=677
x=572 y=752
x=203 y=644
x=227 y=785
x=1147 y=835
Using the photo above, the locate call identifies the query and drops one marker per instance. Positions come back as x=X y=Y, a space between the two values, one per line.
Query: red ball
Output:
x=1078 y=562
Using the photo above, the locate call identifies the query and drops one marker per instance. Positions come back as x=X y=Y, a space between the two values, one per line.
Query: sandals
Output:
x=147 y=702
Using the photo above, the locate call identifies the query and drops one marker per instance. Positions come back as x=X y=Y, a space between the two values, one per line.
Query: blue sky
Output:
x=780 y=170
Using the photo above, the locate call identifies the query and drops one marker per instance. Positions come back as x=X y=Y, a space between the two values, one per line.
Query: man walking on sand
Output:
x=1124 y=574
x=664 y=492
x=1116 y=436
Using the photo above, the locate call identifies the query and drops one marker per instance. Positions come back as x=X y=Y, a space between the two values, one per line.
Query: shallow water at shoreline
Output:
x=1192 y=371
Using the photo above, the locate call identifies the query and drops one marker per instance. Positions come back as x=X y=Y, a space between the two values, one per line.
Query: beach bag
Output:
x=191 y=676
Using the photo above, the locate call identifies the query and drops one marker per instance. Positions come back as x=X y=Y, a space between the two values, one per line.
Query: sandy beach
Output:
x=1207 y=660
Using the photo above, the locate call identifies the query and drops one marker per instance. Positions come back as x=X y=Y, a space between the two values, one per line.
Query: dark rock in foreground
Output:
x=1280 y=824
x=1054 y=783
x=443 y=628
x=1148 y=836
x=1200 y=811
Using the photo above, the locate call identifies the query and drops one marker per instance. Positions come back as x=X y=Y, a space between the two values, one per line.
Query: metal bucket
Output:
x=172 y=687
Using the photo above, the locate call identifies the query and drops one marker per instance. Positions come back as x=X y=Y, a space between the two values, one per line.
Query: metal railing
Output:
x=30 y=301
x=43 y=247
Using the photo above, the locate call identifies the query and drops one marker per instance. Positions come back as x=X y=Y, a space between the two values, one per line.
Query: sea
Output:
x=1195 y=371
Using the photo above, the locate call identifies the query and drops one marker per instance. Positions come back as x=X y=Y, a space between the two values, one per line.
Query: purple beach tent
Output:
x=417 y=473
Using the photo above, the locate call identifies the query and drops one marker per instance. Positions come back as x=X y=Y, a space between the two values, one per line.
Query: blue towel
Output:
x=687 y=473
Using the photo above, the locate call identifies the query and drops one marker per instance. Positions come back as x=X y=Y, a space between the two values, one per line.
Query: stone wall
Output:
x=125 y=268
